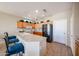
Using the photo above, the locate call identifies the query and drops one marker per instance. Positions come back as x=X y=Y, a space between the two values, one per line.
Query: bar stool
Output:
x=16 y=48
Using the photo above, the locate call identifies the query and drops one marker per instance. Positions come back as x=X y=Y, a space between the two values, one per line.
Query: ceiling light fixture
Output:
x=36 y=11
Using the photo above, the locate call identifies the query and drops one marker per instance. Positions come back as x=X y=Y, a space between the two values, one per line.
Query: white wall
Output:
x=64 y=15
x=76 y=19
x=74 y=25
x=8 y=23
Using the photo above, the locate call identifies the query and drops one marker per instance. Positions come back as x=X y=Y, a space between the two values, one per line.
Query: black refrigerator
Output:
x=47 y=30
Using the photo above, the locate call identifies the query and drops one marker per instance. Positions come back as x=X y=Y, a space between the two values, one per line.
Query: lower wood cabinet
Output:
x=38 y=33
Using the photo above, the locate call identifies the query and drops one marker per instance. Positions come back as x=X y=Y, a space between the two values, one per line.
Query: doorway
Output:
x=60 y=31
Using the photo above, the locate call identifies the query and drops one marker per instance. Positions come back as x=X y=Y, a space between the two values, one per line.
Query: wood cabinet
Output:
x=77 y=48
x=38 y=26
x=19 y=24
x=38 y=33
x=33 y=26
x=24 y=25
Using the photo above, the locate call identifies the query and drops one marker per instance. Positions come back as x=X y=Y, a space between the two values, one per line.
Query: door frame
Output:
x=68 y=33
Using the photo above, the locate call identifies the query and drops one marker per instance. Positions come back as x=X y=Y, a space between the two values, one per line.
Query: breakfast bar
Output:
x=34 y=45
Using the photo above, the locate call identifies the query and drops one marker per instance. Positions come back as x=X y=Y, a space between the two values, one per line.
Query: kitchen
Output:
x=41 y=31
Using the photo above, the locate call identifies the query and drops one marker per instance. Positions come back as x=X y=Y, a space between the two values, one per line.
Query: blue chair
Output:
x=14 y=48
x=12 y=39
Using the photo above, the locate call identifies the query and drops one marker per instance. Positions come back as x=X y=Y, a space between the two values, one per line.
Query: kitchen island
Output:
x=34 y=45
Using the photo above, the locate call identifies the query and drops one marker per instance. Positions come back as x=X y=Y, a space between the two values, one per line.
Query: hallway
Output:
x=57 y=49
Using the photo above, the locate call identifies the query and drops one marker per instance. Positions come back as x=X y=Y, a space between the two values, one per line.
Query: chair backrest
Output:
x=6 y=34
x=12 y=37
x=15 y=48
x=6 y=40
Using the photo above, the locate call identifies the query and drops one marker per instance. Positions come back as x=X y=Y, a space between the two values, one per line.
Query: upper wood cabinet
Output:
x=38 y=26
x=33 y=26
x=24 y=25
x=20 y=24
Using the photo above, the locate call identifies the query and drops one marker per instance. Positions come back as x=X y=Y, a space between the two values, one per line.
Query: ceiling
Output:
x=27 y=9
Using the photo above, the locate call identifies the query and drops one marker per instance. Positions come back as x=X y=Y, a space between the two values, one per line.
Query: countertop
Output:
x=30 y=37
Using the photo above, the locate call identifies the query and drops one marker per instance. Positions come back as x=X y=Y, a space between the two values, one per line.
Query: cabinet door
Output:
x=24 y=24
x=19 y=24
x=33 y=26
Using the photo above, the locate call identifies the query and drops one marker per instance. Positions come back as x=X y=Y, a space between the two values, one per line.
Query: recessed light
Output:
x=36 y=11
